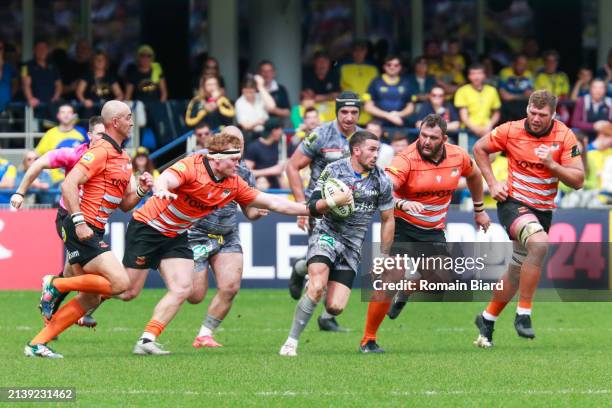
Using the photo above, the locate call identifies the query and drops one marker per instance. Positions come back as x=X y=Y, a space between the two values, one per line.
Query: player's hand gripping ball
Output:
x=339 y=197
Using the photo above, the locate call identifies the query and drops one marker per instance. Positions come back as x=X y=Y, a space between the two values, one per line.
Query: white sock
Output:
x=488 y=316
x=205 y=331
x=291 y=342
x=523 y=311
x=148 y=336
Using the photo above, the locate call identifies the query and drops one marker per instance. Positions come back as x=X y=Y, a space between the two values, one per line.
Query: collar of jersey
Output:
x=389 y=81
x=211 y=173
x=541 y=134
x=112 y=142
x=427 y=159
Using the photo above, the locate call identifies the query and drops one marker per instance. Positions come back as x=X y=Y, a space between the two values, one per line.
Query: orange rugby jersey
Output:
x=109 y=169
x=529 y=181
x=431 y=184
x=198 y=195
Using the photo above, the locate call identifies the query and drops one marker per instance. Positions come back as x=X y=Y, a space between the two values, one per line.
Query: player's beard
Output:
x=433 y=149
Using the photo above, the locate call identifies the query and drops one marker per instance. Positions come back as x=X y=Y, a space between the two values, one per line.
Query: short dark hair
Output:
x=432 y=121
x=476 y=66
x=202 y=124
x=551 y=53
x=311 y=109
x=360 y=137
x=397 y=136
x=392 y=57
x=419 y=59
x=265 y=62
x=95 y=120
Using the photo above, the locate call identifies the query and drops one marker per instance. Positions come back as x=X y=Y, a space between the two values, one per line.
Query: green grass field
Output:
x=430 y=359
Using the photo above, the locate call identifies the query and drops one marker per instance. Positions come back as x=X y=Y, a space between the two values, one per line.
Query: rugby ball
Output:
x=330 y=187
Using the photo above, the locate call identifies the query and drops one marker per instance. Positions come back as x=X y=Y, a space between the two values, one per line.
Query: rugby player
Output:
x=215 y=240
x=105 y=174
x=334 y=247
x=157 y=238
x=541 y=151
x=62 y=158
x=326 y=144
x=425 y=176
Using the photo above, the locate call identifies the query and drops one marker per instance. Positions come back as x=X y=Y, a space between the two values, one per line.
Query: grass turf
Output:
x=430 y=359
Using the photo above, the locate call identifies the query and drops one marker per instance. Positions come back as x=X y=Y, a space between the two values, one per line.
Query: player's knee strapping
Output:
x=524 y=227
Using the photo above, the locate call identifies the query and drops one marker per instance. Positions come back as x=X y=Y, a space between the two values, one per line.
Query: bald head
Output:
x=117 y=118
x=113 y=109
x=233 y=130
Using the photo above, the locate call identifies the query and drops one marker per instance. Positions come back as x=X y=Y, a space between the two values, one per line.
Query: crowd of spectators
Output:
x=473 y=96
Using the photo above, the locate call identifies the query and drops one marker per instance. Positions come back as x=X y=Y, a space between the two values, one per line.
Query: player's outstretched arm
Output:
x=254 y=213
x=31 y=174
x=279 y=204
x=136 y=191
x=163 y=184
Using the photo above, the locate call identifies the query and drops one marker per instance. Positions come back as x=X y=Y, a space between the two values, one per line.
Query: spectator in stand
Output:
x=385 y=152
x=516 y=84
x=311 y=121
x=8 y=173
x=62 y=135
x=531 y=50
x=438 y=104
x=282 y=108
x=357 y=74
x=322 y=79
x=42 y=183
x=388 y=98
x=605 y=73
x=141 y=163
x=253 y=106
x=76 y=68
x=398 y=143
x=145 y=80
x=97 y=86
x=210 y=105
x=419 y=81
x=433 y=53
x=307 y=101
x=8 y=79
x=201 y=133
x=490 y=69
x=550 y=78
x=210 y=68
x=593 y=113
x=478 y=105
x=583 y=84
x=262 y=155
x=41 y=80
x=450 y=76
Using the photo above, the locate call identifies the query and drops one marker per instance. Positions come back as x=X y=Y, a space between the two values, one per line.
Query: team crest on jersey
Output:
x=438 y=178
x=88 y=157
x=225 y=193
x=311 y=138
x=63 y=234
x=326 y=240
x=575 y=151
x=454 y=173
x=179 y=166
